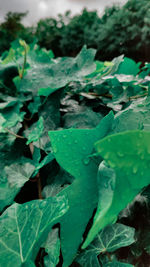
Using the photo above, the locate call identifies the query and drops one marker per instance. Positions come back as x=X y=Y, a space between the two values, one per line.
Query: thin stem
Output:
x=16 y=135
x=21 y=73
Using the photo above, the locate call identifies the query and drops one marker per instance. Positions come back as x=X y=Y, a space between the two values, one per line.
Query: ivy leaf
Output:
x=18 y=174
x=47 y=76
x=52 y=247
x=13 y=177
x=109 y=239
x=127 y=153
x=128 y=67
x=36 y=130
x=11 y=115
x=71 y=148
x=44 y=162
x=113 y=237
x=24 y=228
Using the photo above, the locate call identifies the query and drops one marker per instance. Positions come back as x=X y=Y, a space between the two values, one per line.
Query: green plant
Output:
x=74 y=135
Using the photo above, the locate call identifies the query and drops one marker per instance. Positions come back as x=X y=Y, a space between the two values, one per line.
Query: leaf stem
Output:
x=16 y=135
x=21 y=73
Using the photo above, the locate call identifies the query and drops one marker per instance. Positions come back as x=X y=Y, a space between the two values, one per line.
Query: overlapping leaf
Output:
x=127 y=154
x=24 y=228
x=71 y=149
x=47 y=75
x=109 y=239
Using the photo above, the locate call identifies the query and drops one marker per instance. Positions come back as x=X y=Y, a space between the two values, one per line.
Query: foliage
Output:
x=120 y=30
x=74 y=135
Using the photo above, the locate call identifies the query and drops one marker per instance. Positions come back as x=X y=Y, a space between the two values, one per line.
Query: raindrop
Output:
x=64 y=136
x=112 y=164
x=135 y=169
x=86 y=161
x=140 y=134
x=43 y=203
x=55 y=150
x=120 y=154
x=76 y=141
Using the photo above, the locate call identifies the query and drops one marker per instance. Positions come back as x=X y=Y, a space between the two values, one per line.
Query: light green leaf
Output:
x=44 y=162
x=71 y=149
x=24 y=228
x=128 y=154
x=52 y=247
x=18 y=174
x=34 y=133
x=12 y=178
x=47 y=76
x=109 y=239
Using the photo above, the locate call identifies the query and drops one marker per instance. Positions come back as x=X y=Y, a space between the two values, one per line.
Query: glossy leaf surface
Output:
x=25 y=227
x=127 y=154
x=71 y=149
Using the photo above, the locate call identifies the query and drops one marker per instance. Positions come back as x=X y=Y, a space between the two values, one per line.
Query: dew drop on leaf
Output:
x=55 y=150
x=120 y=154
x=86 y=161
x=135 y=169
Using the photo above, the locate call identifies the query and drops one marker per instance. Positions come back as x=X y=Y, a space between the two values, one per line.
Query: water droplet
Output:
x=112 y=164
x=84 y=148
x=109 y=140
x=55 y=150
x=43 y=203
x=142 y=156
x=120 y=154
x=86 y=161
x=107 y=155
x=140 y=134
x=76 y=141
x=135 y=169
x=64 y=136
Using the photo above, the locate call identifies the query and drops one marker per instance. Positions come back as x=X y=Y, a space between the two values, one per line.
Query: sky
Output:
x=50 y=8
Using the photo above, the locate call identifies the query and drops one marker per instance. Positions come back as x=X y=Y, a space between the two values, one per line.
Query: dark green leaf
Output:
x=24 y=228
x=127 y=154
x=71 y=149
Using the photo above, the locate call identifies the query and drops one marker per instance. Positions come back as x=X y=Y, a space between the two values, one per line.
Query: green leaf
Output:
x=44 y=162
x=52 y=247
x=11 y=115
x=47 y=76
x=34 y=106
x=18 y=174
x=127 y=154
x=24 y=228
x=12 y=178
x=136 y=116
x=128 y=67
x=35 y=132
x=71 y=149
x=109 y=239
x=113 y=237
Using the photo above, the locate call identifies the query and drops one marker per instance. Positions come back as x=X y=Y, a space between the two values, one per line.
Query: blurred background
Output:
x=64 y=26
